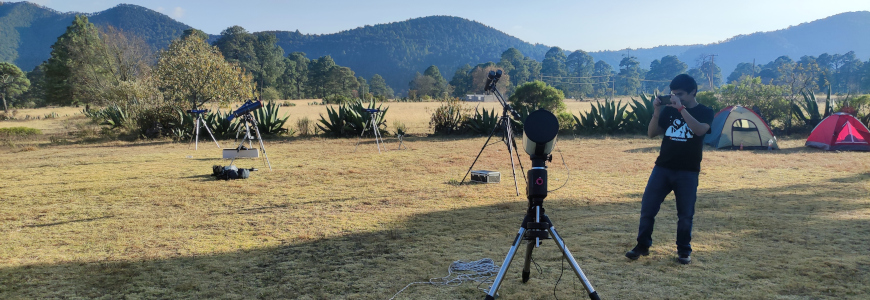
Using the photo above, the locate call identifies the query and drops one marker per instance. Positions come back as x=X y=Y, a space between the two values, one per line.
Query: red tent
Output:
x=840 y=131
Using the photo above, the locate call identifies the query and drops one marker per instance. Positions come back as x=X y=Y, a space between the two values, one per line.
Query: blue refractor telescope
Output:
x=247 y=107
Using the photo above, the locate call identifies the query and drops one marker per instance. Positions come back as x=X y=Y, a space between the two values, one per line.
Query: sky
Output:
x=572 y=25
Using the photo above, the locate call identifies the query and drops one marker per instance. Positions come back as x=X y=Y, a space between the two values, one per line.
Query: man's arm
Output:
x=653 y=128
x=698 y=128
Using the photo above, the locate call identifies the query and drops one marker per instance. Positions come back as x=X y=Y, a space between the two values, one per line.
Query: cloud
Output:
x=160 y=9
x=178 y=13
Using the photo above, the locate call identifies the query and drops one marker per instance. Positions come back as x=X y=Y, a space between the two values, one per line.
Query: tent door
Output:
x=745 y=132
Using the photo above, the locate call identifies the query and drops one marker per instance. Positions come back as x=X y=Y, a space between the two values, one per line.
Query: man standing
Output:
x=684 y=122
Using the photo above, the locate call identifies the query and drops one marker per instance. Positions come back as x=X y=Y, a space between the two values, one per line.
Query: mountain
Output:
x=836 y=34
x=28 y=30
x=398 y=50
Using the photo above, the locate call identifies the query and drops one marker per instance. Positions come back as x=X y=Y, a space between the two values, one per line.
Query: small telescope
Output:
x=249 y=106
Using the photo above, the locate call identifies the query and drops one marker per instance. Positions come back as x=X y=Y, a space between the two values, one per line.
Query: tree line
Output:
x=579 y=76
x=101 y=66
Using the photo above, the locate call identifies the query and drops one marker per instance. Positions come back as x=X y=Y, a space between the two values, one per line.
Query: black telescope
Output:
x=249 y=106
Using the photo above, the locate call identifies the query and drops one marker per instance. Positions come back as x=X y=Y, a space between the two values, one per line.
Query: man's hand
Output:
x=675 y=102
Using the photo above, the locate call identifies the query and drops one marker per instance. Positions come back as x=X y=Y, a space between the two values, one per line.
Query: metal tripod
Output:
x=249 y=121
x=535 y=227
x=377 y=132
x=200 y=123
x=508 y=136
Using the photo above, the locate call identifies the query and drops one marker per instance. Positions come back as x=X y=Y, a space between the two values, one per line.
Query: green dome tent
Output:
x=737 y=126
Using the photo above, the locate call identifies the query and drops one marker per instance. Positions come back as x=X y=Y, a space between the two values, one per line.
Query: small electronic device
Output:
x=665 y=99
x=484 y=176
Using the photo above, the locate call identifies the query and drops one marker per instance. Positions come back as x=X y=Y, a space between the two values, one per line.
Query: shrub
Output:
x=401 y=129
x=336 y=99
x=159 y=121
x=269 y=94
x=566 y=121
x=449 y=117
x=708 y=98
x=536 y=95
x=751 y=93
x=304 y=126
x=19 y=132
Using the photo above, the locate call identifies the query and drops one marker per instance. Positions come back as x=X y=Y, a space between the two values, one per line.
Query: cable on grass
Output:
x=459 y=272
x=566 y=169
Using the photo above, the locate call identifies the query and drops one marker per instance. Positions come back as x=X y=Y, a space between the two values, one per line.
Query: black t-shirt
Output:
x=681 y=148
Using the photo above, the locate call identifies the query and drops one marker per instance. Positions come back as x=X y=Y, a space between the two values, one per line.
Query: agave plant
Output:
x=219 y=124
x=115 y=117
x=640 y=115
x=812 y=117
x=336 y=124
x=360 y=119
x=448 y=118
x=268 y=120
x=605 y=118
x=184 y=126
x=482 y=122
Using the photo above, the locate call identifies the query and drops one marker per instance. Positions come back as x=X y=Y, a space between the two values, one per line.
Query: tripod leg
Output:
x=520 y=161
x=377 y=132
x=478 y=154
x=262 y=147
x=239 y=148
x=527 y=264
x=510 y=137
x=561 y=243
x=359 y=139
x=197 y=133
x=209 y=133
x=504 y=266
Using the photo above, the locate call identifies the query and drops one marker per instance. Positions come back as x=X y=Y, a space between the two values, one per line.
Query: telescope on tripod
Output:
x=504 y=123
x=540 y=130
x=247 y=122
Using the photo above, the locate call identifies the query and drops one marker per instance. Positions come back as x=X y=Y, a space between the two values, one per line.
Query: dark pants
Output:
x=661 y=182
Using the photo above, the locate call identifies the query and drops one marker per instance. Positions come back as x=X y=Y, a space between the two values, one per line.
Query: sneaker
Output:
x=684 y=259
x=636 y=252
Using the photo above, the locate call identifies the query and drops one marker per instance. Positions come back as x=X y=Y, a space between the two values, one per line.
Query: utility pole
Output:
x=712 y=57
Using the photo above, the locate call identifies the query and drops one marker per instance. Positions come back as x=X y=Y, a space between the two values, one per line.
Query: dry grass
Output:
x=144 y=220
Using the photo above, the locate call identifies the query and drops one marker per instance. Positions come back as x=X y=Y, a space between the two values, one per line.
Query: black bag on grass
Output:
x=230 y=172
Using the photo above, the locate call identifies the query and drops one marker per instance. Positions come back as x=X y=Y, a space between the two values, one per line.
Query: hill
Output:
x=839 y=33
x=28 y=30
x=398 y=50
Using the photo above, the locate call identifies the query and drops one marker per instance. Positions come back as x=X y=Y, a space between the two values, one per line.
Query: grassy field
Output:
x=144 y=220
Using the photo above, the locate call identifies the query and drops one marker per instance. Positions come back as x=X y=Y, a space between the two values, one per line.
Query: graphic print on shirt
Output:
x=679 y=131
